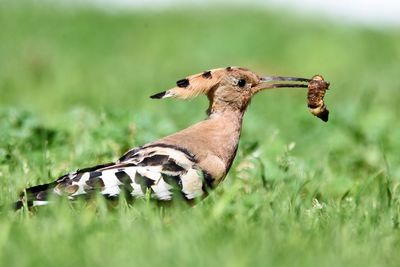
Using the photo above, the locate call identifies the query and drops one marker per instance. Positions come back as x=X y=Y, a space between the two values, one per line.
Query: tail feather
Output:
x=35 y=195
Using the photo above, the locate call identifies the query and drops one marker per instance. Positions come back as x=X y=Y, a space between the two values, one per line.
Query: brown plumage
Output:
x=185 y=164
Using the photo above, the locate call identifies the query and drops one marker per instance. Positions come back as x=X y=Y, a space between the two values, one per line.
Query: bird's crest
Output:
x=197 y=84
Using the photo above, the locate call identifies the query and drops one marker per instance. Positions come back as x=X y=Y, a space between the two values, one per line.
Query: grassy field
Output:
x=74 y=87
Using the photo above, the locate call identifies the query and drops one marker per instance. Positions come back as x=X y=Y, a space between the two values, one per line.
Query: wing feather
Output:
x=162 y=169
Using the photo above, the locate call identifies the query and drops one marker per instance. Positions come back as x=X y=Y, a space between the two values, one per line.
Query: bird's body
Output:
x=184 y=165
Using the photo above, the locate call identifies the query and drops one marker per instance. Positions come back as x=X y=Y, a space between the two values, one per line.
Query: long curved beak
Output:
x=270 y=82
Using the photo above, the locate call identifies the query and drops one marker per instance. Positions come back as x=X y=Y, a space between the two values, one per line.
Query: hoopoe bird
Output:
x=186 y=164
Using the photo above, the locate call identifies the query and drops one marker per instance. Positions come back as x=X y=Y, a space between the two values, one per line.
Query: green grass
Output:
x=74 y=87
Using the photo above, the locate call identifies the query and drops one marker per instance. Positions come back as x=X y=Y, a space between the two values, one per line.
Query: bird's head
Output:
x=228 y=88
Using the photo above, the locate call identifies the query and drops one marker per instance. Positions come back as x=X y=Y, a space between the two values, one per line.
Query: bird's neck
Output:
x=227 y=135
x=226 y=106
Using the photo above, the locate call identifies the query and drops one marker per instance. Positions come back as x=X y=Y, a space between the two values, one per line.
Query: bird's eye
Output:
x=241 y=83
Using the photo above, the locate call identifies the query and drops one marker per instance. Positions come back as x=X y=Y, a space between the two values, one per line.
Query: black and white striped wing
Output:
x=161 y=170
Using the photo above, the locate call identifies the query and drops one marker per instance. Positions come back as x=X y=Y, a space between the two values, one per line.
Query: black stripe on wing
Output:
x=167 y=164
x=152 y=149
x=95 y=182
x=154 y=160
x=95 y=168
x=144 y=182
x=176 y=182
x=126 y=181
x=189 y=155
x=208 y=182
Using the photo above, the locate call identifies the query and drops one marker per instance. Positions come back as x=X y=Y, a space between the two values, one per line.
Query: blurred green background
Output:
x=74 y=91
